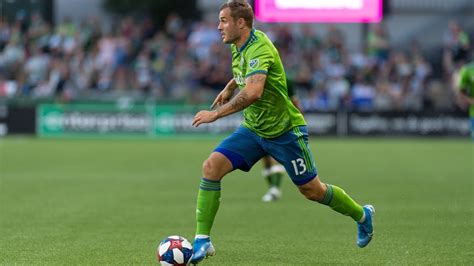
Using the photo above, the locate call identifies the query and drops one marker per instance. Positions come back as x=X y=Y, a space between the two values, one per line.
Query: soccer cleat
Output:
x=366 y=229
x=272 y=194
x=202 y=248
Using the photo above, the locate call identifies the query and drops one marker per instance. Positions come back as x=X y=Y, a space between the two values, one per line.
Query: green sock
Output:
x=274 y=180
x=207 y=205
x=338 y=200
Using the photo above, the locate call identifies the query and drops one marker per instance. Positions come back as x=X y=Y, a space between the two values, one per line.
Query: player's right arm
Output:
x=251 y=93
x=224 y=96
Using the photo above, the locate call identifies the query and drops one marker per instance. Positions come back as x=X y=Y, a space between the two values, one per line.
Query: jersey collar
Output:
x=252 y=33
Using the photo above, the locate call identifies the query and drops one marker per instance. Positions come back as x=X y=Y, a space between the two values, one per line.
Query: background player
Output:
x=465 y=91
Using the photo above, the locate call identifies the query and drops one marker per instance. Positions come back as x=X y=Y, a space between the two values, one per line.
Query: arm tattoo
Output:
x=242 y=100
x=256 y=79
x=238 y=103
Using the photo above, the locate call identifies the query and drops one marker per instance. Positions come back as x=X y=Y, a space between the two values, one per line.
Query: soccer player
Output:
x=465 y=92
x=272 y=125
x=273 y=171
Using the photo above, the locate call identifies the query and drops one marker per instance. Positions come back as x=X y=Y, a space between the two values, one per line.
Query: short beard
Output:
x=230 y=41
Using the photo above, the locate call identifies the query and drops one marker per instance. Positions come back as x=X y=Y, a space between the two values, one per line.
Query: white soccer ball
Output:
x=174 y=250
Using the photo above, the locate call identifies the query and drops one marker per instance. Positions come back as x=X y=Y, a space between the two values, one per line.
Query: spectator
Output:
x=378 y=43
x=183 y=61
x=362 y=94
x=456 y=47
x=35 y=69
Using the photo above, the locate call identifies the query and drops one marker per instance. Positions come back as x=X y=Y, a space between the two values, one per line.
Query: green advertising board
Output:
x=109 y=120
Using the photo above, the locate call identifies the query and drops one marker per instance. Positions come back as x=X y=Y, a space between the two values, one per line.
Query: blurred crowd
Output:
x=187 y=62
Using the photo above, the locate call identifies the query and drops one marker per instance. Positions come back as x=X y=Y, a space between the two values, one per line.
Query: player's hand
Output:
x=222 y=98
x=204 y=117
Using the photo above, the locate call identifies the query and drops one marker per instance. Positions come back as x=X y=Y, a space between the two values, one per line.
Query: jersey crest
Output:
x=253 y=64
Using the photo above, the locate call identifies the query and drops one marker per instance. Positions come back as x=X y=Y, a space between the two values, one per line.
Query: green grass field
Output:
x=98 y=202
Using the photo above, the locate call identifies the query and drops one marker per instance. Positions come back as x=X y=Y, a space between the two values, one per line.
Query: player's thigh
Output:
x=292 y=151
x=242 y=148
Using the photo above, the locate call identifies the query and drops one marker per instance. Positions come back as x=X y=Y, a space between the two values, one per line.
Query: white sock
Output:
x=362 y=219
x=266 y=172
x=201 y=236
x=277 y=168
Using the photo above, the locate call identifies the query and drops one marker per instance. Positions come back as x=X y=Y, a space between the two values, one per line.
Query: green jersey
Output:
x=274 y=113
x=466 y=83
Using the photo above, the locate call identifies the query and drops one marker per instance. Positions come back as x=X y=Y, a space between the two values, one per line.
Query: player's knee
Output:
x=207 y=168
x=210 y=170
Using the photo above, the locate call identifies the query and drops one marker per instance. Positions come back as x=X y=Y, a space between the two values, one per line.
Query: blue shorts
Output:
x=244 y=148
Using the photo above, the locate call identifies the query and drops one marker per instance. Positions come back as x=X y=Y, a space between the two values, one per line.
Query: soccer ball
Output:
x=174 y=250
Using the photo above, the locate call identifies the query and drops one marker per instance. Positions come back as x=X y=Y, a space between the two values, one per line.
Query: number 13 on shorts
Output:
x=299 y=166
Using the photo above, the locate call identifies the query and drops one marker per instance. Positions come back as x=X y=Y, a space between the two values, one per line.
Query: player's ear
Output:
x=241 y=23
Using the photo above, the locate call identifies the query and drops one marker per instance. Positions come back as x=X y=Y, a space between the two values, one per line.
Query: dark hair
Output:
x=240 y=9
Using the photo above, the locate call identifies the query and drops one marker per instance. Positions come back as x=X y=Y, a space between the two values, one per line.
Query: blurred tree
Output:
x=158 y=10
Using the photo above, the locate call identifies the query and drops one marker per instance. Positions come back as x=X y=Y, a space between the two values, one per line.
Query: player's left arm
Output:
x=466 y=98
x=251 y=93
x=461 y=84
x=296 y=102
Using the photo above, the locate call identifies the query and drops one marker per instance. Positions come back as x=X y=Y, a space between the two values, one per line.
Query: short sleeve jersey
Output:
x=274 y=113
x=466 y=83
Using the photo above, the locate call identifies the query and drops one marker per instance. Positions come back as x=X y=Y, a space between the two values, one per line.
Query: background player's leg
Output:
x=273 y=173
